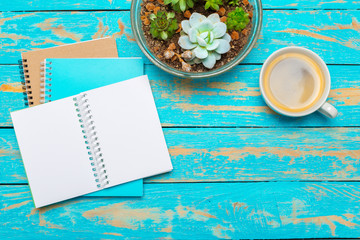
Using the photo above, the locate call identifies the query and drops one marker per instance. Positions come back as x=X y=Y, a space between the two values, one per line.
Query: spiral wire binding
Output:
x=45 y=82
x=87 y=125
x=25 y=82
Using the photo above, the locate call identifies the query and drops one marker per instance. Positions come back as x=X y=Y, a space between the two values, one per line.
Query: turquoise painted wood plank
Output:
x=232 y=99
x=251 y=154
x=191 y=211
x=311 y=4
x=333 y=34
x=42 y=5
x=11 y=93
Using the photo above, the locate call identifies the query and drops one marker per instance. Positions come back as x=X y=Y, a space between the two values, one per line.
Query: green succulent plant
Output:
x=180 y=5
x=234 y=3
x=205 y=37
x=163 y=25
x=237 y=19
x=213 y=4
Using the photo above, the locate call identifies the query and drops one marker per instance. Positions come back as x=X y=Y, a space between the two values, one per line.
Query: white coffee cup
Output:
x=321 y=105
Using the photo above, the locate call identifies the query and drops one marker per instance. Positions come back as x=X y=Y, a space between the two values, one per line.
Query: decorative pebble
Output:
x=156 y=10
x=187 y=14
x=221 y=11
x=186 y=67
x=235 y=35
x=187 y=55
x=223 y=19
x=172 y=46
x=145 y=20
x=150 y=6
x=169 y=54
x=179 y=29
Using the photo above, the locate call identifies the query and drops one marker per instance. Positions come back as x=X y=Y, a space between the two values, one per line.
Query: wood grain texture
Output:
x=232 y=99
x=191 y=211
x=42 y=5
x=224 y=155
x=333 y=34
x=203 y=198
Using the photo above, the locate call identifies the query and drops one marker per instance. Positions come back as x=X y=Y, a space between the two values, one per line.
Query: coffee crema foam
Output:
x=293 y=82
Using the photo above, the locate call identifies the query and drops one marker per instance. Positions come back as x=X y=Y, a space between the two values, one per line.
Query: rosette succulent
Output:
x=163 y=25
x=206 y=37
x=237 y=19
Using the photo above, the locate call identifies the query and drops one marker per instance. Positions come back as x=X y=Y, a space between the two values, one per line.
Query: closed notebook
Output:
x=99 y=48
x=64 y=77
x=91 y=141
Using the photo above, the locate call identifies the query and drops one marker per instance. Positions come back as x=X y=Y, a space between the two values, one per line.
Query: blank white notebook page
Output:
x=53 y=150
x=129 y=131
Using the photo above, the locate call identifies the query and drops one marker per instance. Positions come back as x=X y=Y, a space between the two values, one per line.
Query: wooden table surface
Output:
x=240 y=170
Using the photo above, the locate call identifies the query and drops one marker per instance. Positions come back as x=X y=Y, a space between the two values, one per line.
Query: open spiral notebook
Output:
x=91 y=141
x=65 y=77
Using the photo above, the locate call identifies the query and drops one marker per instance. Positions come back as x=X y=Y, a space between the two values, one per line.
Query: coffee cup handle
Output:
x=328 y=110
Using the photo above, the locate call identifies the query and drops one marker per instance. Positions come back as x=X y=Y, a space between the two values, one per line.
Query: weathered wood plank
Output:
x=334 y=35
x=42 y=5
x=311 y=4
x=232 y=99
x=11 y=93
x=208 y=155
x=192 y=211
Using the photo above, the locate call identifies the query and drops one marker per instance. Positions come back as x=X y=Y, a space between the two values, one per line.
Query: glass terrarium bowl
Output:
x=136 y=25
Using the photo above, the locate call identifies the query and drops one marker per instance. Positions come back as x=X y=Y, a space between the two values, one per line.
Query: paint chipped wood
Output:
x=250 y=154
x=227 y=208
x=42 y=5
x=232 y=99
x=333 y=34
x=194 y=211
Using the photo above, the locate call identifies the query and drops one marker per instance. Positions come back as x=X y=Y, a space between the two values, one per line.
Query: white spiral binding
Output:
x=91 y=140
x=45 y=82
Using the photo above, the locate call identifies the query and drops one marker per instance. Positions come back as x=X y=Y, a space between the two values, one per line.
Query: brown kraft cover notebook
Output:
x=32 y=60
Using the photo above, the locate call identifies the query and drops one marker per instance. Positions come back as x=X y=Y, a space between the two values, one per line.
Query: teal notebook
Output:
x=63 y=77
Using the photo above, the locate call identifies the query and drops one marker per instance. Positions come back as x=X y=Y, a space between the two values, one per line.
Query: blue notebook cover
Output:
x=65 y=77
